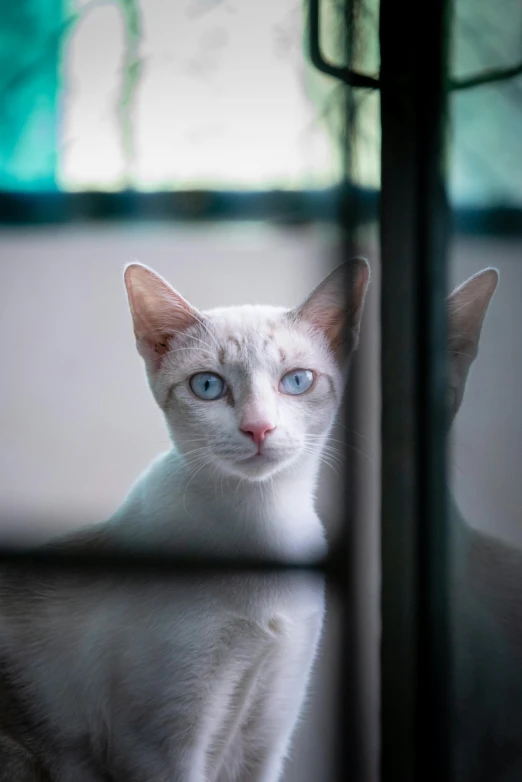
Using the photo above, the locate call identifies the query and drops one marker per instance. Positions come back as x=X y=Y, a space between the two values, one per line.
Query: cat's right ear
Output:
x=158 y=312
x=335 y=307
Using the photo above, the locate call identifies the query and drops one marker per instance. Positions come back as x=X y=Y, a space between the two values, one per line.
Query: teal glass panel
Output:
x=30 y=38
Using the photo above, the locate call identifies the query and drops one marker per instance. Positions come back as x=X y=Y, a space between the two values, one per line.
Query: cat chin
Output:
x=255 y=468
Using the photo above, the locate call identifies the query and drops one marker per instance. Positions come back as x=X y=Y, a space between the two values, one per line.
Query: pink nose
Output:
x=257 y=432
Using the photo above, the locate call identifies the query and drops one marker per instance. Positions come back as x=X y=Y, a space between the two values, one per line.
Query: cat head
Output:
x=248 y=390
x=467 y=307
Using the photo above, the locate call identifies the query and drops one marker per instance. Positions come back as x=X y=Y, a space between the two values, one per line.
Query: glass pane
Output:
x=179 y=95
x=486 y=544
x=183 y=95
x=486 y=121
x=193 y=94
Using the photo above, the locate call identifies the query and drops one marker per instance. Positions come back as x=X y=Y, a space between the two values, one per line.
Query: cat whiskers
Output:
x=327 y=453
x=273 y=486
x=331 y=462
x=195 y=465
x=186 y=336
x=191 y=349
x=352 y=431
x=213 y=475
x=192 y=453
x=355 y=448
x=207 y=329
x=222 y=480
x=195 y=461
x=240 y=481
x=360 y=452
x=269 y=485
x=195 y=440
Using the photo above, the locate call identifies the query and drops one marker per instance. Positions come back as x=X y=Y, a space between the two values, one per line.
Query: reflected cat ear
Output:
x=467 y=307
x=335 y=307
x=158 y=312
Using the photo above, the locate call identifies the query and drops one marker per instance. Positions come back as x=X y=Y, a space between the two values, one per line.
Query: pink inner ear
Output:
x=330 y=321
x=335 y=306
x=159 y=313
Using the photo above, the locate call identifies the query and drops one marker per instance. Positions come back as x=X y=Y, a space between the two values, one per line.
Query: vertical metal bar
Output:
x=415 y=683
x=350 y=749
x=349 y=742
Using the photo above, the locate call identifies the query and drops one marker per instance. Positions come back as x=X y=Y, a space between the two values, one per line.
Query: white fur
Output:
x=199 y=681
x=163 y=680
x=204 y=493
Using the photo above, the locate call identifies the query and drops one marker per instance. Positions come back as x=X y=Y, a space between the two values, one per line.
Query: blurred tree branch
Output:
x=131 y=75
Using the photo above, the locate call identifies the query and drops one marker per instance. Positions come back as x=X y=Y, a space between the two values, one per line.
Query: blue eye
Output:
x=296 y=382
x=207 y=386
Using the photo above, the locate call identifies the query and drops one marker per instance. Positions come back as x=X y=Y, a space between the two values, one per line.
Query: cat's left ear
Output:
x=335 y=307
x=158 y=312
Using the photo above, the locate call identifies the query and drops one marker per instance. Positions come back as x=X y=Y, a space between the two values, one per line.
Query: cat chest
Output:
x=257 y=689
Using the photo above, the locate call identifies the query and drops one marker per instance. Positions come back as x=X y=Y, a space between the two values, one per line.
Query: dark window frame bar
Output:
x=415 y=610
x=118 y=560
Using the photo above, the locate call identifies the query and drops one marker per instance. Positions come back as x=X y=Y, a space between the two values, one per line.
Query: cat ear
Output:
x=467 y=307
x=158 y=311
x=335 y=307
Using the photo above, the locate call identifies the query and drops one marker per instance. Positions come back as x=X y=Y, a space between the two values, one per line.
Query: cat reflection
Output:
x=486 y=595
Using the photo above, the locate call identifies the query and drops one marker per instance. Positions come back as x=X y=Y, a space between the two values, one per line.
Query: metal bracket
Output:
x=346 y=75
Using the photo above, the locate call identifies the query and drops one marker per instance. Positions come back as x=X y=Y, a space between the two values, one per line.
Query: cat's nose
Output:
x=258 y=431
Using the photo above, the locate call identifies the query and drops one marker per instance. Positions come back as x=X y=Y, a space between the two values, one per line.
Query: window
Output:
x=247 y=148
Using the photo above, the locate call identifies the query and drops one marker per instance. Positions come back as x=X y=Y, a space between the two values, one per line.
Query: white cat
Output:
x=203 y=680
x=169 y=680
x=249 y=396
